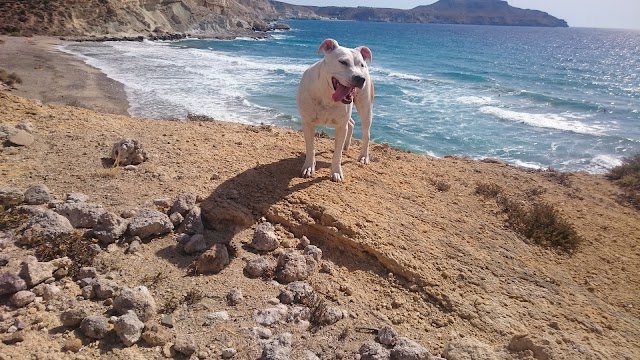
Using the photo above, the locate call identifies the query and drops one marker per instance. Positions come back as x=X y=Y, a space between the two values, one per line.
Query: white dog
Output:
x=325 y=96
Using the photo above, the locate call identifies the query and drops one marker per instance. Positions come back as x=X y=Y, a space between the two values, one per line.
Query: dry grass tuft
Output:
x=11 y=219
x=488 y=190
x=9 y=78
x=559 y=177
x=627 y=176
x=318 y=307
x=192 y=296
x=73 y=246
x=440 y=185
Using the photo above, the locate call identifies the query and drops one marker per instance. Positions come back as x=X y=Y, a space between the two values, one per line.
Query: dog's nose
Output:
x=358 y=80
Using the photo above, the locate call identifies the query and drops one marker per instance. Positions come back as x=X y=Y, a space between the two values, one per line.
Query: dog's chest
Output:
x=327 y=114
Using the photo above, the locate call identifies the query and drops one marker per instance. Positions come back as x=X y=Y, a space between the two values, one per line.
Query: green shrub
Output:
x=627 y=176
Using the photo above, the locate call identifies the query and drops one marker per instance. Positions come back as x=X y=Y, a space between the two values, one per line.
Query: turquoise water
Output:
x=536 y=97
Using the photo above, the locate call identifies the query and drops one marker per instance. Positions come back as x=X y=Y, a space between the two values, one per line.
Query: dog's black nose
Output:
x=358 y=80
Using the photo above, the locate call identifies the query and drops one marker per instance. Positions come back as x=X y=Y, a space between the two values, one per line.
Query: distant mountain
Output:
x=471 y=12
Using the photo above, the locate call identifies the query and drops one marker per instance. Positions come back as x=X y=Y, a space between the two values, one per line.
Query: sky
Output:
x=618 y=14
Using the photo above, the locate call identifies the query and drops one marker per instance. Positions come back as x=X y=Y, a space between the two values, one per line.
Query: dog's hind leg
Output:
x=336 y=162
x=365 y=110
x=347 y=141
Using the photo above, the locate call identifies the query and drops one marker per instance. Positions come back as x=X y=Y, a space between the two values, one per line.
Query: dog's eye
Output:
x=344 y=62
x=362 y=65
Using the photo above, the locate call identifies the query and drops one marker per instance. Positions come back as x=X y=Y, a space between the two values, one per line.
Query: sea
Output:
x=566 y=99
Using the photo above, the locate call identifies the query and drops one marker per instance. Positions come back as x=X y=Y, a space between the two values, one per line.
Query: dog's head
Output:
x=347 y=67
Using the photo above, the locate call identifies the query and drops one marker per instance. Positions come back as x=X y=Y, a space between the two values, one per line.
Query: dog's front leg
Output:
x=309 y=167
x=336 y=163
x=365 y=111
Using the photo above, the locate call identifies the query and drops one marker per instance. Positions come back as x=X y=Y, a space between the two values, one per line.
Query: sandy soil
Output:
x=437 y=262
x=52 y=76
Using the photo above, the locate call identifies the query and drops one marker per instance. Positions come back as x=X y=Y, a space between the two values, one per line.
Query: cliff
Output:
x=470 y=12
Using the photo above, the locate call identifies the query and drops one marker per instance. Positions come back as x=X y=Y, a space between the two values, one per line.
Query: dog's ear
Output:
x=327 y=45
x=365 y=52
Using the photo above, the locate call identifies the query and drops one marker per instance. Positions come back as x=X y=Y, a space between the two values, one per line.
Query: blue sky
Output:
x=621 y=14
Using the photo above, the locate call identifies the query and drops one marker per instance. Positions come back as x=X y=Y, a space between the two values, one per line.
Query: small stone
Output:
x=134 y=247
x=11 y=283
x=110 y=227
x=265 y=238
x=228 y=353
x=234 y=297
x=167 y=320
x=35 y=272
x=129 y=328
x=149 y=222
x=386 y=335
x=371 y=350
x=22 y=298
x=130 y=168
x=50 y=291
x=176 y=219
x=279 y=348
x=331 y=315
x=294 y=267
x=156 y=335
x=21 y=138
x=185 y=344
x=257 y=267
x=82 y=214
x=184 y=203
x=72 y=345
x=304 y=242
x=26 y=126
x=163 y=203
x=73 y=317
x=95 y=326
x=75 y=197
x=308 y=355
x=314 y=252
x=37 y=195
x=212 y=260
x=138 y=299
x=297 y=292
x=270 y=316
x=407 y=349
x=219 y=316
x=261 y=332
x=14 y=338
x=104 y=288
x=192 y=223
x=87 y=292
x=10 y=196
x=196 y=244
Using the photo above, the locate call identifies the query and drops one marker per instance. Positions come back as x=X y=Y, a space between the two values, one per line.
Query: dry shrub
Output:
x=73 y=246
x=192 y=296
x=11 y=219
x=627 y=176
x=9 y=78
x=541 y=223
x=199 y=117
x=441 y=185
x=559 y=177
x=488 y=190
x=318 y=307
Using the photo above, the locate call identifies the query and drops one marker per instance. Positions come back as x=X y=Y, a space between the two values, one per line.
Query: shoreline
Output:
x=43 y=67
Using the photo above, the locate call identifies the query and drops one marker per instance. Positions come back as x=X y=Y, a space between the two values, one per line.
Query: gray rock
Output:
x=279 y=348
x=265 y=238
x=43 y=224
x=301 y=292
x=163 y=203
x=257 y=267
x=26 y=126
x=131 y=167
x=104 y=288
x=304 y=242
x=218 y=316
x=213 y=260
x=14 y=338
x=138 y=299
x=128 y=152
x=525 y=342
x=134 y=247
x=308 y=355
x=371 y=350
x=228 y=353
x=271 y=316
x=149 y=222
x=234 y=297
x=468 y=348
x=386 y=335
x=196 y=244
x=314 y=252
x=73 y=317
x=21 y=138
x=185 y=344
x=11 y=283
x=262 y=332
x=176 y=219
x=22 y=298
x=294 y=267
x=109 y=227
x=75 y=197
x=87 y=292
x=184 y=203
x=94 y=326
x=11 y=196
x=50 y=291
x=155 y=335
x=35 y=272
x=128 y=328
x=37 y=195
x=407 y=349
x=87 y=272
x=331 y=315
x=192 y=223
x=81 y=215
x=167 y=320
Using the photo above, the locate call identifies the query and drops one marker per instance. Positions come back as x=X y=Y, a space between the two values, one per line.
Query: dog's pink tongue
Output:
x=341 y=92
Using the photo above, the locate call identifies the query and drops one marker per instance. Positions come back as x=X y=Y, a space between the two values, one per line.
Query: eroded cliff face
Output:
x=100 y=17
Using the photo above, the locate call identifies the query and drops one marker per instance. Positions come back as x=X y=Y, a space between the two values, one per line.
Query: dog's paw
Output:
x=336 y=175
x=363 y=159
x=308 y=170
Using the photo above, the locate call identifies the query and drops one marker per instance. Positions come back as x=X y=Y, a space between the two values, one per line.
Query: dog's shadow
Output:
x=239 y=202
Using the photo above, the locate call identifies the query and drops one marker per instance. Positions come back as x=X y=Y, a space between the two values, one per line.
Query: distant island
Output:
x=469 y=12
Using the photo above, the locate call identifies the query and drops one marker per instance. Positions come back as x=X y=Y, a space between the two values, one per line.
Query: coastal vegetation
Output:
x=627 y=176
x=9 y=78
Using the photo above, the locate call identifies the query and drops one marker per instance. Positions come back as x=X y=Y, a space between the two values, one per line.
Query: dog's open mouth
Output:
x=342 y=93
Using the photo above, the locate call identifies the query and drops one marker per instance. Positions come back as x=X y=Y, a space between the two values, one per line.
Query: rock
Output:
x=11 y=283
x=73 y=317
x=294 y=267
x=82 y=214
x=524 y=342
x=219 y=316
x=22 y=298
x=407 y=349
x=35 y=272
x=4 y=259
x=308 y=355
x=277 y=349
x=196 y=244
x=87 y=272
x=257 y=267
x=163 y=203
x=149 y=222
x=94 y=326
x=130 y=168
x=270 y=316
x=234 y=297
x=75 y=197
x=72 y=344
x=10 y=196
x=156 y=335
x=265 y=238
x=37 y=195
x=87 y=292
x=213 y=260
x=134 y=247
x=331 y=315
x=304 y=242
x=261 y=332
x=43 y=224
x=138 y=299
x=167 y=320
x=297 y=292
x=192 y=223
x=386 y=335
x=14 y=338
x=104 y=288
x=468 y=348
x=184 y=203
x=371 y=350
x=26 y=126
x=50 y=291
x=128 y=152
x=109 y=227
x=228 y=353
x=314 y=252
x=185 y=344
x=21 y=138
x=176 y=219
x=129 y=328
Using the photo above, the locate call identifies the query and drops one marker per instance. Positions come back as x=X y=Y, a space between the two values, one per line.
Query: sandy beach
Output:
x=43 y=67
x=407 y=241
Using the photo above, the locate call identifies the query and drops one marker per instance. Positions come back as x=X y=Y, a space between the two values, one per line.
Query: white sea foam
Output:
x=527 y=165
x=550 y=121
x=602 y=163
x=404 y=76
x=476 y=100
